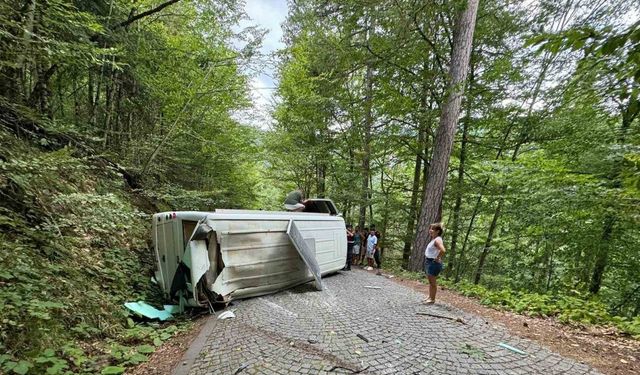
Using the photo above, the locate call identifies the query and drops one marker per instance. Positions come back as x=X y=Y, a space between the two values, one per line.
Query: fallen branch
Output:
x=459 y=320
x=240 y=369
x=348 y=369
x=362 y=337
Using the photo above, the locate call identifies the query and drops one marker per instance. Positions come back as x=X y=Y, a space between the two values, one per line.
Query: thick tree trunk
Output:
x=432 y=202
x=451 y=257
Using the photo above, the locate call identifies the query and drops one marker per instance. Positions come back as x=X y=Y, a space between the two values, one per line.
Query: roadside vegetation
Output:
x=577 y=309
x=73 y=249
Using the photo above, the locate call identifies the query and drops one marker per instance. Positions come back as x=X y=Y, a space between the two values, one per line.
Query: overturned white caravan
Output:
x=215 y=257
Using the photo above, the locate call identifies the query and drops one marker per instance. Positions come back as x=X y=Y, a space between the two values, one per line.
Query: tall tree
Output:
x=443 y=143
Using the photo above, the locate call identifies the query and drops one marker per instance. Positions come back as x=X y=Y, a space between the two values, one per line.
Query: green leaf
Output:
x=57 y=368
x=22 y=367
x=145 y=349
x=137 y=358
x=112 y=370
x=157 y=341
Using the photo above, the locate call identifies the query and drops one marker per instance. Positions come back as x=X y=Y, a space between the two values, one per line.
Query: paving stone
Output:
x=323 y=328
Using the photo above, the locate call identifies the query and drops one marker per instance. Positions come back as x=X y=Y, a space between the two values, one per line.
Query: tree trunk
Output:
x=411 y=220
x=451 y=257
x=320 y=176
x=366 y=167
x=496 y=215
x=21 y=65
x=488 y=242
x=432 y=202
x=629 y=113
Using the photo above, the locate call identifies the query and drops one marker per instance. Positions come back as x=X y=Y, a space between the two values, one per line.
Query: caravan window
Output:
x=320 y=206
x=187 y=229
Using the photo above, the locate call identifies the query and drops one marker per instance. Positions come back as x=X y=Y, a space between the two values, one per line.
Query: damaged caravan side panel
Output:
x=234 y=254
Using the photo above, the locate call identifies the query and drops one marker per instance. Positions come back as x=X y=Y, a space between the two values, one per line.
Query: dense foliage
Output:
x=112 y=110
x=543 y=191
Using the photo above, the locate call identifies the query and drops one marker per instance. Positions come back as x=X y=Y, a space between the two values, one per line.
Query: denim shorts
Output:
x=431 y=267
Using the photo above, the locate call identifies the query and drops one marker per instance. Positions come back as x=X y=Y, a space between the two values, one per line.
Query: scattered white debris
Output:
x=372 y=287
x=226 y=315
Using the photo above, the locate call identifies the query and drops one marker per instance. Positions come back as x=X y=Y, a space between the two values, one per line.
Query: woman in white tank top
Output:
x=433 y=260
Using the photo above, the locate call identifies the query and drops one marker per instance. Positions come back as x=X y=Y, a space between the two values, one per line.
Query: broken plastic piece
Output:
x=372 y=287
x=509 y=347
x=146 y=310
x=226 y=315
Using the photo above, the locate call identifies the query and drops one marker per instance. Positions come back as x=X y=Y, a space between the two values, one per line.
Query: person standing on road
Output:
x=357 y=240
x=294 y=201
x=363 y=248
x=372 y=243
x=377 y=255
x=350 y=242
x=433 y=260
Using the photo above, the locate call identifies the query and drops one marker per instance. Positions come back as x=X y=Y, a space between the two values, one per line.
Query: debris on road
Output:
x=240 y=369
x=226 y=315
x=362 y=337
x=472 y=351
x=146 y=310
x=457 y=319
x=372 y=287
x=509 y=347
x=348 y=369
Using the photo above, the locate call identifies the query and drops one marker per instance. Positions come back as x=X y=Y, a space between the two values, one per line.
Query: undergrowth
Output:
x=569 y=309
x=72 y=250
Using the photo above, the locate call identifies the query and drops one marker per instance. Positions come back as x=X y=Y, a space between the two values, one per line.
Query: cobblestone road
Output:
x=304 y=331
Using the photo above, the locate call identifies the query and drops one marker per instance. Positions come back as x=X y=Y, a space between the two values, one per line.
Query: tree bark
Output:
x=451 y=257
x=367 y=127
x=443 y=142
x=488 y=243
x=406 y=251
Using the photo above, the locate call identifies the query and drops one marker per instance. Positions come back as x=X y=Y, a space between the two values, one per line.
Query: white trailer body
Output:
x=234 y=254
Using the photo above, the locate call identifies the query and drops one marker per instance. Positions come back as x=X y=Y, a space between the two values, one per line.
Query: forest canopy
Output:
x=127 y=108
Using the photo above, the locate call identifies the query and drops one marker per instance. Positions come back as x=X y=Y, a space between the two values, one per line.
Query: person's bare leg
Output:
x=433 y=287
